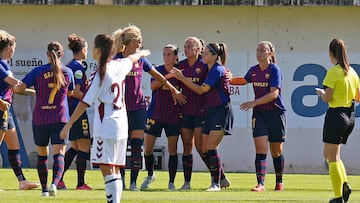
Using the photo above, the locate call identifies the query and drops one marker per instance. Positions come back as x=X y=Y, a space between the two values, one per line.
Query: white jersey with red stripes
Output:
x=110 y=118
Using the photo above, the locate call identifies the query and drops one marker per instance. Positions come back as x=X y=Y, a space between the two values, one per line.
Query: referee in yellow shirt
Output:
x=341 y=90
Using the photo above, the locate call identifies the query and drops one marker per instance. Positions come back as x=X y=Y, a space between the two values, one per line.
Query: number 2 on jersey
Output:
x=119 y=92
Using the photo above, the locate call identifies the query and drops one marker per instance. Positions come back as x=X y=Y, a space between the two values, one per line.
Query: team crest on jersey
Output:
x=267 y=75
x=198 y=70
x=136 y=65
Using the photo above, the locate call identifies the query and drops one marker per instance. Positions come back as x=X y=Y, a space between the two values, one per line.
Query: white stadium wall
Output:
x=301 y=36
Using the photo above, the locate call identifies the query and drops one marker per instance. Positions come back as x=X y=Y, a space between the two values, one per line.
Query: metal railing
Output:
x=191 y=2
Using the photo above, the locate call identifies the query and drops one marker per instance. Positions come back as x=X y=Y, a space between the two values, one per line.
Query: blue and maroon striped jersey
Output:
x=162 y=108
x=262 y=80
x=79 y=73
x=5 y=90
x=219 y=92
x=51 y=103
x=195 y=105
x=134 y=97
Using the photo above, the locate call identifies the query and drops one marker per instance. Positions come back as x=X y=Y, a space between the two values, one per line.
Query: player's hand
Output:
x=247 y=105
x=4 y=105
x=319 y=91
x=177 y=73
x=64 y=134
x=169 y=75
x=228 y=74
x=179 y=98
x=144 y=52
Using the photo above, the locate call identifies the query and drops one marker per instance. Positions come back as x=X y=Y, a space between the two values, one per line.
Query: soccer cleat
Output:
x=133 y=187
x=26 y=185
x=148 y=180
x=61 y=185
x=224 y=183
x=186 y=186
x=83 y=187
x=171 y=186
x=214 y=188
x=337 y=200
x=258 y=188
x=346 y=191
x=279 y=187
x=45 y=194
x=52 y=190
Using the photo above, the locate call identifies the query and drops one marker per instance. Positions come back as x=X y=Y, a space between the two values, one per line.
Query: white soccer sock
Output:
x=113 y=188
x=120 y=187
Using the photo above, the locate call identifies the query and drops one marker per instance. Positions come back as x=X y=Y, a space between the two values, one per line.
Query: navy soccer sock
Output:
x=15 y=162
x=260 y=167
x=42 y=168
x=81 y=167
x=58 y=168
x=149 y=164
x=173 y=164
x=279 y=167
x=136 y=159
x=187 y=161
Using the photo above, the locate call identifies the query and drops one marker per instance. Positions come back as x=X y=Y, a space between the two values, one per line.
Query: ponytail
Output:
x=220 y=50
x=338 y=50
x=105 y=44
x=55 y=52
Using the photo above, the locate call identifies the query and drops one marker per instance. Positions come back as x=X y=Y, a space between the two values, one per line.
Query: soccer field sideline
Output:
x=298 y=188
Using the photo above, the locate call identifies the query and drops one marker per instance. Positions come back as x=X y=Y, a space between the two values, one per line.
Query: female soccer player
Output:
x=80 y=133
x=268 y=119
x=219 y=116
x=129 y=41
x=194 y=110
x=341 y=85
x=163 y=114
x=106 y=92
x=53 y=83
x=7 y=127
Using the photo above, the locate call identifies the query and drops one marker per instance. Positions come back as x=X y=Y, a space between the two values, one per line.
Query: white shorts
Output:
x=108 y=151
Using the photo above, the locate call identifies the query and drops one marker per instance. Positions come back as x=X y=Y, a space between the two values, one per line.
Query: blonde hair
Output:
x=118 y=41
x=271 y=48
x=197 y=41
x=125 y=36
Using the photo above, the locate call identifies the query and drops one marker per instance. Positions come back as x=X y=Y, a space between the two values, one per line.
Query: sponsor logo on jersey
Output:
x=78 y=74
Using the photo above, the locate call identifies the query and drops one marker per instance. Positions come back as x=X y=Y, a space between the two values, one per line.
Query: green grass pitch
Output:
x=298 y=188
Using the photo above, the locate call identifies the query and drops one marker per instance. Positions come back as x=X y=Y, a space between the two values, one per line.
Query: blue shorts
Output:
x=155 y=128
x=80 y=128
x=271 y=123
x=339 y=123
x=42 y=134
x=191 y=122
x=136 y=120
x=7 y=120
x=219 y=118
